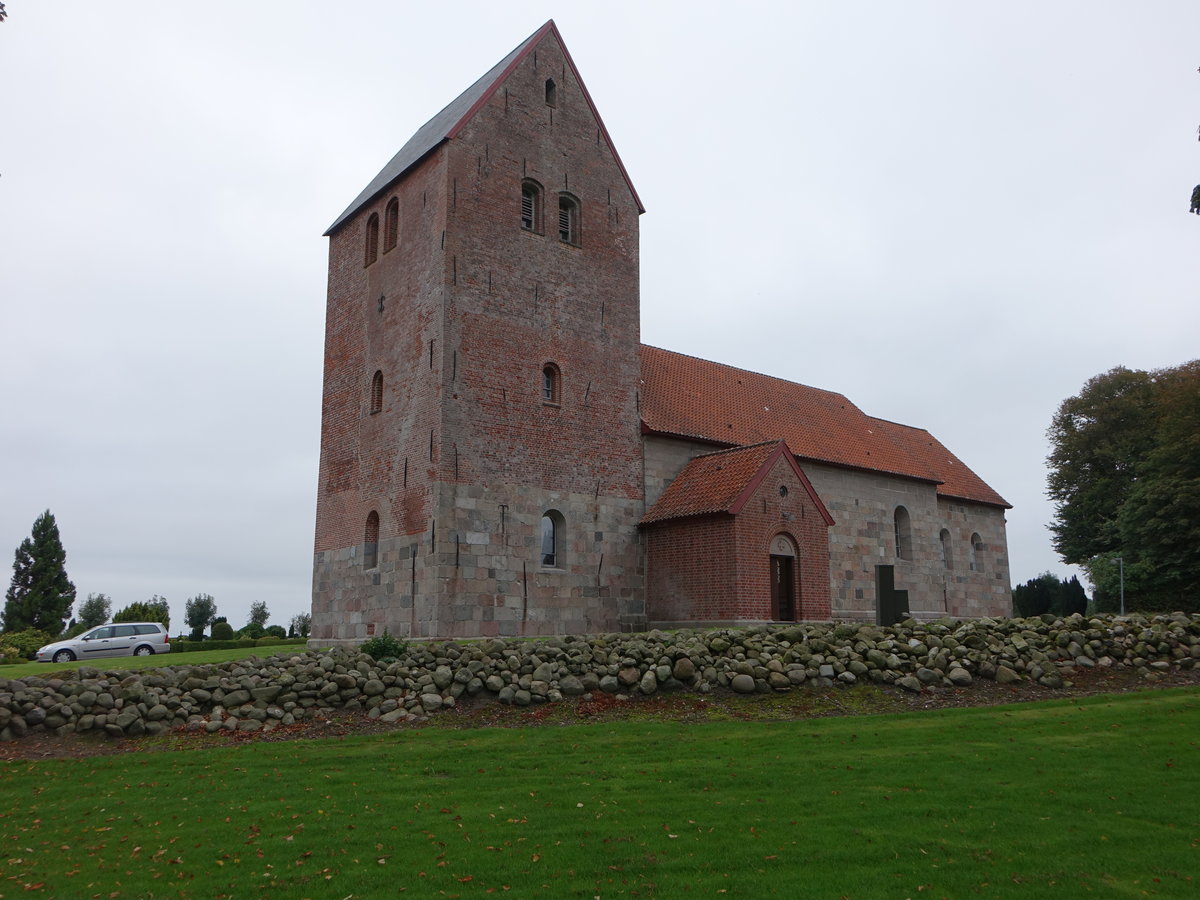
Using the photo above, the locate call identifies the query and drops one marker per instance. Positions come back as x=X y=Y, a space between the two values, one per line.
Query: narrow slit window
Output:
x=372 y=247
x=391 y=224
x=568 y=219
x=947 y=549
x=371 y=541
x=903 y=529
x=377 y=393
x=976 y=553
x=551 y=384
x=551 y=92
x=551 y=540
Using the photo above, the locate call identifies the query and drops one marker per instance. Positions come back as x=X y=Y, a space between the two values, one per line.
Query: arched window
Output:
x=531 y=206
x=372 y=248
x=903 y=528
x=551 y=384
x=552 y=538
x=947 y=550
x=977 y=549
x=568 y=219
x=376 y=393
x=371 y=541
x=551 y=92
x=391 y=224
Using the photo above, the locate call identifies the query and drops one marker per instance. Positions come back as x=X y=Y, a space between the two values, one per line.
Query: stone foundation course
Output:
x=258 y=694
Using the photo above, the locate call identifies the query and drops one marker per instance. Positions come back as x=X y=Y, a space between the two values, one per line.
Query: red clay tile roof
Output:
x=687 y=397
x=956 y=479
x=721 y=482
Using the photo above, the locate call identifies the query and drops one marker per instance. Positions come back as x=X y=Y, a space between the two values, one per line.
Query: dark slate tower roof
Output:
x=447 y=123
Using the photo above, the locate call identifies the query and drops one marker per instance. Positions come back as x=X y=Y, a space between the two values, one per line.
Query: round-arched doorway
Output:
x=784 y=570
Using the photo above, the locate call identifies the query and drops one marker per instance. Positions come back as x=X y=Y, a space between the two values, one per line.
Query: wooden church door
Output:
x=783 y=601
x=783 y=580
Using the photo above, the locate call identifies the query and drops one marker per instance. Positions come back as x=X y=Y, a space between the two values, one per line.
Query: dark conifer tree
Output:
x=40 y=595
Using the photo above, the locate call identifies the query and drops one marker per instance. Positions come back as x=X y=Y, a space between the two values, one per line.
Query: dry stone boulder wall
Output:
x=259 y=694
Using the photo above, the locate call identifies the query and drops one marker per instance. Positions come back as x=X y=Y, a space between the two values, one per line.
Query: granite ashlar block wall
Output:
x=863 y=505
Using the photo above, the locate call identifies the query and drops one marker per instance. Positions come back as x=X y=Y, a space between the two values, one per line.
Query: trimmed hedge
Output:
x=182 y=646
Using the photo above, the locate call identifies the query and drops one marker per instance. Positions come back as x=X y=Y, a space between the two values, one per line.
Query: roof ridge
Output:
x=752 y=372
x=898 y=424
x=738 y=448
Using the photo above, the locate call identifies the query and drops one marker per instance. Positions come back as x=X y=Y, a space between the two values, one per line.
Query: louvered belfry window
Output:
x=568 y=219
x=531 y=202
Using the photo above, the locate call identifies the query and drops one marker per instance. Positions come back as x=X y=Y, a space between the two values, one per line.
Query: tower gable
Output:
x=455 y=115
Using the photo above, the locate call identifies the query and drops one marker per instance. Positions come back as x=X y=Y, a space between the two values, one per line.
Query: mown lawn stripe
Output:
x=1057 y=798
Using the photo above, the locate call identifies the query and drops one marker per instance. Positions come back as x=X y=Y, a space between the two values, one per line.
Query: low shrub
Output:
x=26 y=642
x=192 y=646
x=277 y=641
x=384 y=646
x=221 y=631
x=10 y=656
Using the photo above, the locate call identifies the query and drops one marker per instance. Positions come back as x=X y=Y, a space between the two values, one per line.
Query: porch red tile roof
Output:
x=723 y=481
x=710 y=483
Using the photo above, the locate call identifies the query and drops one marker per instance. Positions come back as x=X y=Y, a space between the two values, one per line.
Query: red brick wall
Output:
x=519 y=300
x=464 y=457
x=717 y=568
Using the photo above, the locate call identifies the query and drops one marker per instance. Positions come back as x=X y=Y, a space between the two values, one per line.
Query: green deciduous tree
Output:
x=95 y=610
x=40 y=595
x=200 y=612
x=259 y=614
x=156 y=609
x=301 y=624
x=1125 y=478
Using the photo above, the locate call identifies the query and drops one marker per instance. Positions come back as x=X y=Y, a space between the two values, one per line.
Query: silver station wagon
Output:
x=125 y=639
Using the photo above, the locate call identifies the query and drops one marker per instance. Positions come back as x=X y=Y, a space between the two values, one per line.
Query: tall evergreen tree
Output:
x=40 y=595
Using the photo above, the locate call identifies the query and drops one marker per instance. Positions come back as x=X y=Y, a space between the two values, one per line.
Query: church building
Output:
x=501 y=455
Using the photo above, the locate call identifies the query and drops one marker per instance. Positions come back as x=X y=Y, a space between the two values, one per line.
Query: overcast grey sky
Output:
x=953 y=213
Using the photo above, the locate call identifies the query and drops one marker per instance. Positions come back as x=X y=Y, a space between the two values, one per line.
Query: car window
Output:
x=147 y=629
x=104 y=632
x=122 y=630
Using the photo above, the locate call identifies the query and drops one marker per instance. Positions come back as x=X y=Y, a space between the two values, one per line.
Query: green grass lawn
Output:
x=121 y=663
x=1064 y=798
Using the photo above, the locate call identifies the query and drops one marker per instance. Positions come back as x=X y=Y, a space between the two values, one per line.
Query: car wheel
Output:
x=63 y=656
x=144 y=650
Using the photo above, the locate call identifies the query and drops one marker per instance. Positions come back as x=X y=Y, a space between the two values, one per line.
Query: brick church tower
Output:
x=481 y=461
